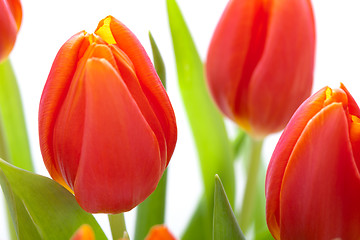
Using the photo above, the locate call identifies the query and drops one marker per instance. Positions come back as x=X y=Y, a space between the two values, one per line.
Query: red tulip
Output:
x=107 y=128
x=313 y=180
x=159 y=232
x=10 y=21
x=260 y=62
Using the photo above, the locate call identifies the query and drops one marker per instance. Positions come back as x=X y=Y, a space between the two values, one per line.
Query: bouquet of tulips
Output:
x=107 y=132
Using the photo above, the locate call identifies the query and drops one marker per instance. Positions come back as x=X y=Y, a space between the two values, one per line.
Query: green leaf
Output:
x=158 y=61
x=152 y=211
x=40 y=207
x=200 y=220
x=207 y=124
x=13 y=120
x=225 y=224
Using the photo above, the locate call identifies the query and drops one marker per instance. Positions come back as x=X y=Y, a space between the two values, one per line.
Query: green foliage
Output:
x=40 y=207
x=206 y=122
x=225 y=224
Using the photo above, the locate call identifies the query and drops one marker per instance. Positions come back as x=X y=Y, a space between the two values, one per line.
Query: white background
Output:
x=47 y=24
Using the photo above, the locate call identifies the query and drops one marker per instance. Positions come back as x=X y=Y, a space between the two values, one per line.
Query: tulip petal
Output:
x=353 y=107
x=54 y=93
x=285 y=68
x=320 y=193
x=160 y=232
x=85 y=232
x=148 y=79
x=236 y=55
x=125 y=165
x=16 y=10
x=282 y=152
x=10 y=20
x=127 y=73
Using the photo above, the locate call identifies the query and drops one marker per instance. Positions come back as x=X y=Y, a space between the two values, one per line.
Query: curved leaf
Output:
x=40 y=207
x=225 y=224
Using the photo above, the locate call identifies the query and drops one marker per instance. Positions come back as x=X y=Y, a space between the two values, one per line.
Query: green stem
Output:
x=117 y=225
x=152 y=211
x=245 y=219
x=238 y=143
x=13 y=120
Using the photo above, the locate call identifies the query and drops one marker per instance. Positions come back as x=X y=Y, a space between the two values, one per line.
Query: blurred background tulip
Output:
x=85 y=232
x=260 y=62
x=10 y=21
x=159 y=232
x=313 y=181
x=107 y=128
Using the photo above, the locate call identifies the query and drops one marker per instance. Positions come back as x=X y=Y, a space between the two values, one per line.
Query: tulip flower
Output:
x=85 y=232
x=107 y=128
x=10 y=21
x=260 y=62
x=313 y=180
x=159 y=232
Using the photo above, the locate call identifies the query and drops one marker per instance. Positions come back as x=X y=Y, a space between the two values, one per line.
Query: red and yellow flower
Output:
x=313 y=180
x=107 y=128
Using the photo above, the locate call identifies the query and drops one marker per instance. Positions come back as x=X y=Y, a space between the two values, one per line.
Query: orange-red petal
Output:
x=283 y=76
x=53 y=96
x=320 y=193
x=148 y=79
x=160 y=232
x=118 y=145
x=10 y=21
x=85 y=232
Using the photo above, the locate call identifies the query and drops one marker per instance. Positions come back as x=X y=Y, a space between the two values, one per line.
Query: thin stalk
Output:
x=152 y=211
x=245 y=218
x=117 y=225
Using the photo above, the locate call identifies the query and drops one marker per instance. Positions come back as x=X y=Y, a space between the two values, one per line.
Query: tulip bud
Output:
x=10 y=21
x=107 y=128
x=159 y=232
x=313 y=181
x=260 y=62
x=85 y=232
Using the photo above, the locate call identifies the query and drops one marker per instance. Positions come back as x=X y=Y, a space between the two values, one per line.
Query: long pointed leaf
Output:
x=206 y=122
x=13 y=119
x=225 y=224
x=51 y=209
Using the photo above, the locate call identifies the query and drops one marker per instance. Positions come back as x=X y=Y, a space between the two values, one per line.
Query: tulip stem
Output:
x=245 y=218
x=117 y=225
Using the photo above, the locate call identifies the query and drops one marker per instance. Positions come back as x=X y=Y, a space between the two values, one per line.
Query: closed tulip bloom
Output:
x=260 y=62
x=10 y=21
x=313 y=180
x=107 y=128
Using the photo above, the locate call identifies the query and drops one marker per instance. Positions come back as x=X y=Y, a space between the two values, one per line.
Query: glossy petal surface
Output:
x=107 y=129
x=313 y=181
x=54 y=93
x=320 y=194
x=149 y=81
